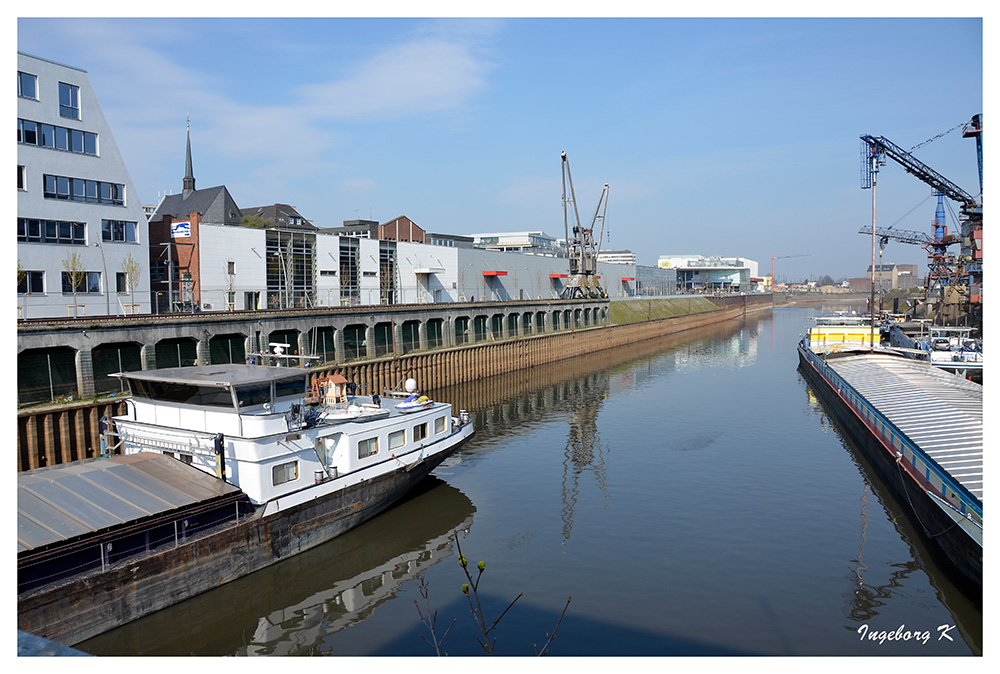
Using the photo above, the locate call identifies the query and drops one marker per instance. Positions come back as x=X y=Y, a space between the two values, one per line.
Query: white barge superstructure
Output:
x=259 y=466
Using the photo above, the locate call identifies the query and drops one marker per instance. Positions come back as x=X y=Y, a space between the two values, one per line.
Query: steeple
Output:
x=188 y=170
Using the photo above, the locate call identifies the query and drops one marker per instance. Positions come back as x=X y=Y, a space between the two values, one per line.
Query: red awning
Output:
x=494 y=273
x=558 y=275
x=627 y=278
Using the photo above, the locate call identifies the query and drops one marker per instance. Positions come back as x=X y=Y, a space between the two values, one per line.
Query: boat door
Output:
x=325 y=449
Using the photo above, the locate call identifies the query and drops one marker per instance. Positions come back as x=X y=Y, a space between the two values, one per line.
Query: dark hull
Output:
x=73 y=611
x=959 y=550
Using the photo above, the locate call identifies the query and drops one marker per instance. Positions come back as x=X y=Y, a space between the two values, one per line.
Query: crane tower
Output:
x=583 y=281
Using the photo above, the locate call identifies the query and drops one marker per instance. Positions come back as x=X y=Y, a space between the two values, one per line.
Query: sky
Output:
x=731 y=137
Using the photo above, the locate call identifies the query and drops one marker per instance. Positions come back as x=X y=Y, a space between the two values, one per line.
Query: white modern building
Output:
x=616 y=256
x=535 y=243
x=81 y=229
x=702 y=273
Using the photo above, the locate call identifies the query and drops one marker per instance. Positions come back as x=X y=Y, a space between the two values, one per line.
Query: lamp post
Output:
x=107 y=288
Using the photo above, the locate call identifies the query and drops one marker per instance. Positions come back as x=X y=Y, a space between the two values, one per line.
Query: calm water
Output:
x=691 y=496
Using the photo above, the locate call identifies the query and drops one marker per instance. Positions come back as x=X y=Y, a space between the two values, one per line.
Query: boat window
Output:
x=440 y=424
x=419 y=432
x=367 y=447
x=253 y=394
x=290 y=387
x=285 y=472
x=190 y=394
x=397 y=439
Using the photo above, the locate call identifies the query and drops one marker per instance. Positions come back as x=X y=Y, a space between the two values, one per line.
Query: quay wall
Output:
x=69 y=432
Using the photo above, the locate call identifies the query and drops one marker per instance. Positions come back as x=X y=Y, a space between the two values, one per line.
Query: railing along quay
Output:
x=67 y=433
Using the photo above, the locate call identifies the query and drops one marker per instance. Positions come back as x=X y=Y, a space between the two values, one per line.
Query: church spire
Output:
x=188 y=169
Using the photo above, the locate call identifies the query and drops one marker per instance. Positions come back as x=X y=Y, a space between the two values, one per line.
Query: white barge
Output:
x=223 y=470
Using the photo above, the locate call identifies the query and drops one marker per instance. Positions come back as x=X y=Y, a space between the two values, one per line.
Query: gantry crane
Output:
x=583 y=280
x=945 y=271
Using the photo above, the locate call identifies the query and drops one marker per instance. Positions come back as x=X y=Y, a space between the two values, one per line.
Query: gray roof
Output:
x=59 y=503
x=281 y=215
x=215 y=204
x=216 y=375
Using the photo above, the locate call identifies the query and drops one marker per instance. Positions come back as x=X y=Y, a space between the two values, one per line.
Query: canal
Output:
x=691 y=495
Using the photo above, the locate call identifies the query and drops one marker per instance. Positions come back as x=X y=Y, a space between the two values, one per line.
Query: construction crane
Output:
x=583 y=282
x=944 y=270
x=781 y=257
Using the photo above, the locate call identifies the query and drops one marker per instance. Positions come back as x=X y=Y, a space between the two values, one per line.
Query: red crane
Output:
x=780 y=257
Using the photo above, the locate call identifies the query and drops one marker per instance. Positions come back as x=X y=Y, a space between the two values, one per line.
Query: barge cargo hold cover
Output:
x=923 y=430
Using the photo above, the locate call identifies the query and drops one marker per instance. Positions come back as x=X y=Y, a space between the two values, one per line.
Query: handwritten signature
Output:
x=903 y=634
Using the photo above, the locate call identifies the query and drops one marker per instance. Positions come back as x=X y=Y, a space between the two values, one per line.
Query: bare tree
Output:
x=230 y=284
x=133 y=274
x=74 y=270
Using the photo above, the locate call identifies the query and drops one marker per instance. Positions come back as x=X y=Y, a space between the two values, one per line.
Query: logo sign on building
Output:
x=180 y=230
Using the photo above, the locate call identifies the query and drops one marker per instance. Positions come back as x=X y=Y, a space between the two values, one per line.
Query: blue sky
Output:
x=735 y=137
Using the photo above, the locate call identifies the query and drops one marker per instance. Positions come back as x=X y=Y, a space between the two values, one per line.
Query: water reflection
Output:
x=584 y=450
x=291 y=607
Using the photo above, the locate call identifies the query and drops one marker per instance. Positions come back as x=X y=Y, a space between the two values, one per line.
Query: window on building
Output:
x=88 y=283
x=21 y=182
x=118 y=230
x=397 y=439
x=120 y=284
x=27 y=85
x=368 y=447
x=30 y=230
x=285 y=472
x=78 y=189
x=230 y=266
x=31 y=282
x=69 y=101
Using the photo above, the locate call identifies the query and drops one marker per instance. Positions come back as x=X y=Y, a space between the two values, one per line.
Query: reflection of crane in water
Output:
x=583 y=443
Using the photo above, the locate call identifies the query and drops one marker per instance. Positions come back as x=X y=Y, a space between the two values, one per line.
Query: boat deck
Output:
x=72 y=501
x=939 y=412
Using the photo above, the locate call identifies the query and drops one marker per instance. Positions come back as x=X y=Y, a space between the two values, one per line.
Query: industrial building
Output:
x=81 y=230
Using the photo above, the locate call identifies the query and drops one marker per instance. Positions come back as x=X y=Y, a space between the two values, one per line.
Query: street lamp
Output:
x=107 y=289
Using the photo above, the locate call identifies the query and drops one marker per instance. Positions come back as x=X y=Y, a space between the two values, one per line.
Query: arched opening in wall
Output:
x=385 y=340
x=567 y=320
x=539 y=322
x=289 y=337
x=512 y=320
x=435 y=333
x=461 y=330
x=496 y=326
x=577 y=318
x=355 y=347
x=324 y=344
x=586 y=316
x=46 y=375
x=557 y=323
x=229 y=348
x=111 y=358
x=176 y=352
x=525 y=323
x=410 y=331
x=480 y=327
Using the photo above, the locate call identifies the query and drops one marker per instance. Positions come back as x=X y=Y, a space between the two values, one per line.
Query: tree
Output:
x=74 y=272
x=255 y=222
x=133 y=274
x=826 y=280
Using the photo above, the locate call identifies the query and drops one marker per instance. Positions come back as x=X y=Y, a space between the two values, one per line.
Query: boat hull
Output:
x=75 y=610
x=959 y=550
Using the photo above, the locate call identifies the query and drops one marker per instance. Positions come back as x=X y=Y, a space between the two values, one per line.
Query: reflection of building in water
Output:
x=340 y=600
x=583 y=443
x=736 y=350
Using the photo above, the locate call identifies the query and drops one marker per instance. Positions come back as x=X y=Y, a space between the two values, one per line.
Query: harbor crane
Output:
x=944 y=270
x=582 y=250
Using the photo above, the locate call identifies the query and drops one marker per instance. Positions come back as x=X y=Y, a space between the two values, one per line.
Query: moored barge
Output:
x=223 y=471
x=921 y=427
